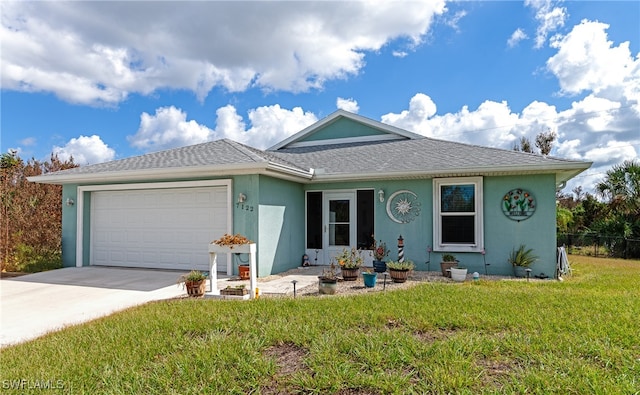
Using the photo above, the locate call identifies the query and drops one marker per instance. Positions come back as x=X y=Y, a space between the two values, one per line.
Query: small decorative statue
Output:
x=305 y=260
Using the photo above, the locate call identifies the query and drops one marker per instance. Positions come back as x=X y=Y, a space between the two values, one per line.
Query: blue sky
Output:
x=108 y=80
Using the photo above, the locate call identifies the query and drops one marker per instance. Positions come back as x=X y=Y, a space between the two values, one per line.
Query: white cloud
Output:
x=269 y=124
x=491 y=124
x=587 y=61
x=349 y=104
x=400 y=54
x=168 y=128
x=455 y=20
x=28 y=141
x=549 y=18
x=516 y=37
x=587 y=131
x=85 y=150
x=101 y=52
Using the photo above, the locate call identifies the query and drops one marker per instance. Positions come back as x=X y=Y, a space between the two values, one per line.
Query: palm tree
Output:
x=621 y=187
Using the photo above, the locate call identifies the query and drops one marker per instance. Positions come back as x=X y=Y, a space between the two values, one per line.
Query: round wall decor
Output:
x=403 y=206
x=518 y=204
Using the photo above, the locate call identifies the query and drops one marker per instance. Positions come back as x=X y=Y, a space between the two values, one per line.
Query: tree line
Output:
x=613 y=213
x=30 y=214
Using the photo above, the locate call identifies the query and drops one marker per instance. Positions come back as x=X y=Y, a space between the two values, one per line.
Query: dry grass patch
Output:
x=289 y=359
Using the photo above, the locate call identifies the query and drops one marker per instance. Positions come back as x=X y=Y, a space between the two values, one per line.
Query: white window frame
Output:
x=478 y=217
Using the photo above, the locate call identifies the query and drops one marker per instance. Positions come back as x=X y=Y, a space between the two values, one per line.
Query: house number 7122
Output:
x=243 y=206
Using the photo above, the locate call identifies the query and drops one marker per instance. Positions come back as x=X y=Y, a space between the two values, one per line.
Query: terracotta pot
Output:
x=243 y=271
x=447 y=265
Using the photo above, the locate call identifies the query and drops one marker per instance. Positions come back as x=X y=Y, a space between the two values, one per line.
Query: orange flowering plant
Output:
x=349 y=259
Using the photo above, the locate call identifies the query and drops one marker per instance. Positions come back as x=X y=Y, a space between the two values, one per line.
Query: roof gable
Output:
x=343 y=127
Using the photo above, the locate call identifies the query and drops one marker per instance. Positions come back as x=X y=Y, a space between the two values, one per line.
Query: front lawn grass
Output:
x=573 y=337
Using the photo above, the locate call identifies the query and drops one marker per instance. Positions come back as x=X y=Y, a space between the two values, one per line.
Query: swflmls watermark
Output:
x=30 y=384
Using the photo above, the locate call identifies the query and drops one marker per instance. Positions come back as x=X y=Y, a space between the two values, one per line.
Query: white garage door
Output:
x=157 y=228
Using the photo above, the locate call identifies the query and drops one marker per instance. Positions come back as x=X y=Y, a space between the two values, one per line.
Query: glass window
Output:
x=314 y=220
x=365 y=218
x=457 y=217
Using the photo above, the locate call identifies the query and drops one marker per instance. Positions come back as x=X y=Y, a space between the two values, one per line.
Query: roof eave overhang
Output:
x=264 y=168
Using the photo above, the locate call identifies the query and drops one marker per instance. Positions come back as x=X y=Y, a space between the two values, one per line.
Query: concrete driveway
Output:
x=35 y=304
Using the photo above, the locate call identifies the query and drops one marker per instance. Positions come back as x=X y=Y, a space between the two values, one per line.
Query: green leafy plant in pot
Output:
x=521 y=258
x=194 y=282
x=447 y=262
x=399 y=271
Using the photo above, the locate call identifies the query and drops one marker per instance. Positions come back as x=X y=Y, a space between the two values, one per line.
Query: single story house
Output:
x=343 y=182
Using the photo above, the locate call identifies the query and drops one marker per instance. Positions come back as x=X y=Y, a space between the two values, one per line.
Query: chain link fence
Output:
x=595 y=244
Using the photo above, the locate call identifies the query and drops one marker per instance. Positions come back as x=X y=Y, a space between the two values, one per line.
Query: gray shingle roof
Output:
x=417 y=157
x=214 y=153
x=425 y=155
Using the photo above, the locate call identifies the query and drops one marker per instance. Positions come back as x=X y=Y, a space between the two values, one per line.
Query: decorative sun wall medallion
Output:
x=403 y=206
x=518 y=204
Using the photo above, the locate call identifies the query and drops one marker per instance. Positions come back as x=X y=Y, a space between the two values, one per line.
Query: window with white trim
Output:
x=457 y=214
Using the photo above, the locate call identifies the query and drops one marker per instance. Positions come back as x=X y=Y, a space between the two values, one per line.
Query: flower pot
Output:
x=243 y=271
x=327 y=286
x=370 y=279
x=444 y=266
x=195 y=289
x=399 y=276
x=350 y=274
x=458 y=274
x=520 y=271
x=379 y=266
x=231 y=291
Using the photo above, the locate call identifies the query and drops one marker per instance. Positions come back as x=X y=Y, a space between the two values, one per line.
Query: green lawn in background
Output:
x=578 y=336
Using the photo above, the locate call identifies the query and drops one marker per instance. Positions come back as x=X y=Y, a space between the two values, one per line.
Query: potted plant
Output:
x=458 y=273
x=194 y=282
x=350 y=262
x=328 y=281
x=237 y=290
x=399 y=271
x=379 y=253
x=447 y=262
x=521 y=259
x=370 y=278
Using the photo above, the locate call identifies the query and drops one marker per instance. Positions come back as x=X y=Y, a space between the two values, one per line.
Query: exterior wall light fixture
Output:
x=381 y=195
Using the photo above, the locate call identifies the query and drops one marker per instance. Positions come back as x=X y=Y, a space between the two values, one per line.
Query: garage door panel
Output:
x=160 y=228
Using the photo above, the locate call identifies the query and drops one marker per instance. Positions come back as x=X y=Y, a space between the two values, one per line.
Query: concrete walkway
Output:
x=35 y=304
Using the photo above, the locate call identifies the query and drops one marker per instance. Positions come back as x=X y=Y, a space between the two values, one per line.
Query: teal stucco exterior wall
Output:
x=417 y=234
x=501 y=234
x=281 y=225
x=69 y=226
x=274 y=217
x=343 y=128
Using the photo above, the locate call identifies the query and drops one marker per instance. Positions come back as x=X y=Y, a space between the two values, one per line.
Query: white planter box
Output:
x=215 y=249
